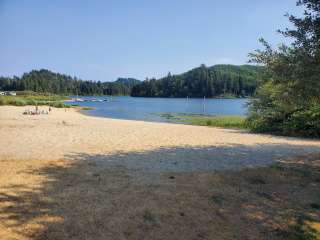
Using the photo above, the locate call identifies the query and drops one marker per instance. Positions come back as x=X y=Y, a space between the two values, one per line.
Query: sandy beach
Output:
x=67 y=175
x=64 y=133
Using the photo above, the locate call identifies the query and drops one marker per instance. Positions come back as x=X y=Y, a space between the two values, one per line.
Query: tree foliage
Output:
x=288 y=101
x=47 y=81
x=219 y=80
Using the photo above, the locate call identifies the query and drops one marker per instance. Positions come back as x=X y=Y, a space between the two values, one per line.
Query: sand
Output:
x=67 y=133
x=70 y=176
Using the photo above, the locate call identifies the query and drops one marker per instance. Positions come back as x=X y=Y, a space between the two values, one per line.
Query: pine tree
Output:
x=288 y=101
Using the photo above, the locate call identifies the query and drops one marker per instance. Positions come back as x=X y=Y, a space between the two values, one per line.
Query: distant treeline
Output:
x=47 y=81
x=219 y=80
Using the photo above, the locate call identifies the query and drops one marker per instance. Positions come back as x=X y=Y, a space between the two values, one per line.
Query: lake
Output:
x=149 y=109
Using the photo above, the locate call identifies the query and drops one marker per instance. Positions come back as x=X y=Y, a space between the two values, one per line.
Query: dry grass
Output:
x=78 y=200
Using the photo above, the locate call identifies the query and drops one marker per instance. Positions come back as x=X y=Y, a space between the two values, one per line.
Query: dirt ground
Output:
x=78 y=200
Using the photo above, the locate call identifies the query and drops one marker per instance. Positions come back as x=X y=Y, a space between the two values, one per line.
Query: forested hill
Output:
x=215 y=81
x=46 y=81
x=130 y=82
x=219 y=80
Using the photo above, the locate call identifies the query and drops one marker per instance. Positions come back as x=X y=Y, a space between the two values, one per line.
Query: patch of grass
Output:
x=237 y=122
x=234 y=122
x=174 y=118
x=86 y=108
x=30 y=98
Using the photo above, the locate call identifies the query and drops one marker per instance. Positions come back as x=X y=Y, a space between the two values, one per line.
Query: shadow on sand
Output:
x=191 y=159
x=99 y=197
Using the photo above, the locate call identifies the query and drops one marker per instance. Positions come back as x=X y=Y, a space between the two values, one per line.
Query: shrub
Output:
x=301 y=122
x=59 y=105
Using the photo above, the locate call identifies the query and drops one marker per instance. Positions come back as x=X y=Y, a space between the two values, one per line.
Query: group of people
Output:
x=36 y=111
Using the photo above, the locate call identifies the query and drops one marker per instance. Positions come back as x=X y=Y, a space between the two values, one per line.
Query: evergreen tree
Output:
x=213 y=81
x=47 y=81
x=288 y=101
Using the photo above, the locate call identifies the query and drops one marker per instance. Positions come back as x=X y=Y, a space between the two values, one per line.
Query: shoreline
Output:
x=83 y=112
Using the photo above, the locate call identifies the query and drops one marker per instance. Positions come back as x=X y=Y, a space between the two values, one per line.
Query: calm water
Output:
x=148 y=109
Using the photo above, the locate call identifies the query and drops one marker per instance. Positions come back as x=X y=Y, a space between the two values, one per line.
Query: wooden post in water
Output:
x=204 y=105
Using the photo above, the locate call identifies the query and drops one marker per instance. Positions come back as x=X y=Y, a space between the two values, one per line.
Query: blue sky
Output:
x=103 y=40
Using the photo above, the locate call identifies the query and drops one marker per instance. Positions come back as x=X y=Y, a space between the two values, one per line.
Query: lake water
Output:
x=149 y=109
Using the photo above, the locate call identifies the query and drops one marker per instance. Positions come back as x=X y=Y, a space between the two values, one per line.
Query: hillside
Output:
x=129 y=82
x=215 y=81
x=47 y=81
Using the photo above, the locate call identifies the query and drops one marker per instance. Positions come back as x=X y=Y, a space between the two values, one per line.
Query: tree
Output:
x=213 y=81
x=46 y=81
x=288 y=101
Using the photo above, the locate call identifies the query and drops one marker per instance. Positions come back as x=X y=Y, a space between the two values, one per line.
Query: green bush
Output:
x=302 y=122
x=58 y=105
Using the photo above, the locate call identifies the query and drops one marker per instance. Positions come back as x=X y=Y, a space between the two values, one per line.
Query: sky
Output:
x=106 y=39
